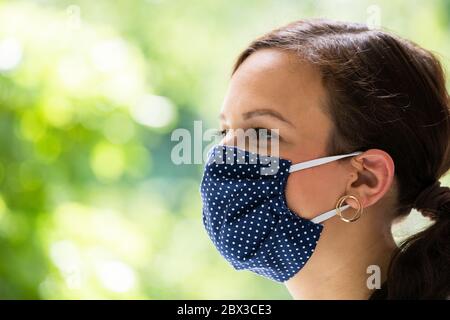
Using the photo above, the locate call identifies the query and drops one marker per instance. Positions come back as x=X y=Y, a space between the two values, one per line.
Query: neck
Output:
x=338 y=269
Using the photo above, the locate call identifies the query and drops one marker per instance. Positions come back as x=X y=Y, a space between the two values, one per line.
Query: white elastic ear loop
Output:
x=329 y=214
x=319 y=161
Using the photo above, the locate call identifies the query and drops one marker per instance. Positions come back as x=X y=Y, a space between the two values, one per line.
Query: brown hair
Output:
x=387 y=93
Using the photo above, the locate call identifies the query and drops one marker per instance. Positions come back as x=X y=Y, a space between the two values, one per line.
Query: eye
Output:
x=261 y=134
x=223 y=132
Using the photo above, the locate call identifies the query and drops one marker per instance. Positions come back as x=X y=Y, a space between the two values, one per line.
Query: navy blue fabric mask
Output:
x=246 y=215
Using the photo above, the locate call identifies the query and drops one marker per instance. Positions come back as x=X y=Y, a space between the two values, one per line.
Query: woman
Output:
x=377 y=101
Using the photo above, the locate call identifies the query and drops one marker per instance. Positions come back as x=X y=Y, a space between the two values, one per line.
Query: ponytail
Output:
x=420 y=269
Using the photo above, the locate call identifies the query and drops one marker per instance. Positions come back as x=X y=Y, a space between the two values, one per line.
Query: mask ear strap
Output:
x=319 y=161
x=327 y=215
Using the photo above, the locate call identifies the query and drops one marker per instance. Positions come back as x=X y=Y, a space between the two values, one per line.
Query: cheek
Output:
x=314 y=191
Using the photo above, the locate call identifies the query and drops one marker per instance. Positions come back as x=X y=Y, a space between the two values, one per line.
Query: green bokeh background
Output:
x=91 y=205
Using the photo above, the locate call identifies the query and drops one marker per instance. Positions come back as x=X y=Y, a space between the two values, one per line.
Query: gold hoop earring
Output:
x=358 y=212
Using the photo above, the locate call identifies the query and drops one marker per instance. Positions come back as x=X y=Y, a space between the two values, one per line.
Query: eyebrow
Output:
x=262 y=112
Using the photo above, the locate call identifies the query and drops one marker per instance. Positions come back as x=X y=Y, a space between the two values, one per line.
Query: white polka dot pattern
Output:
x=246 y=216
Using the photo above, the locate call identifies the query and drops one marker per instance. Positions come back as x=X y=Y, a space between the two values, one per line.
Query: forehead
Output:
x=280 y=80
x=276 y=79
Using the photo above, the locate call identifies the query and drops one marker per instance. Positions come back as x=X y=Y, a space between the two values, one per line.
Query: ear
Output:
x=372 y=174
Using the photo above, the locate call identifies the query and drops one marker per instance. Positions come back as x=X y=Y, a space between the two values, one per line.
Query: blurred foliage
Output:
x=91 y=205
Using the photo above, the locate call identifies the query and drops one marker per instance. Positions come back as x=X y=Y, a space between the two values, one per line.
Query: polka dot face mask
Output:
x=246 y=215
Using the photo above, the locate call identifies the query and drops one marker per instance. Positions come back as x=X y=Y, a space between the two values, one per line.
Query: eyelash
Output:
x=269 y=132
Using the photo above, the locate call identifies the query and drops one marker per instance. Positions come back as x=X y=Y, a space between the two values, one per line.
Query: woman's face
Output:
x=273 y=89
